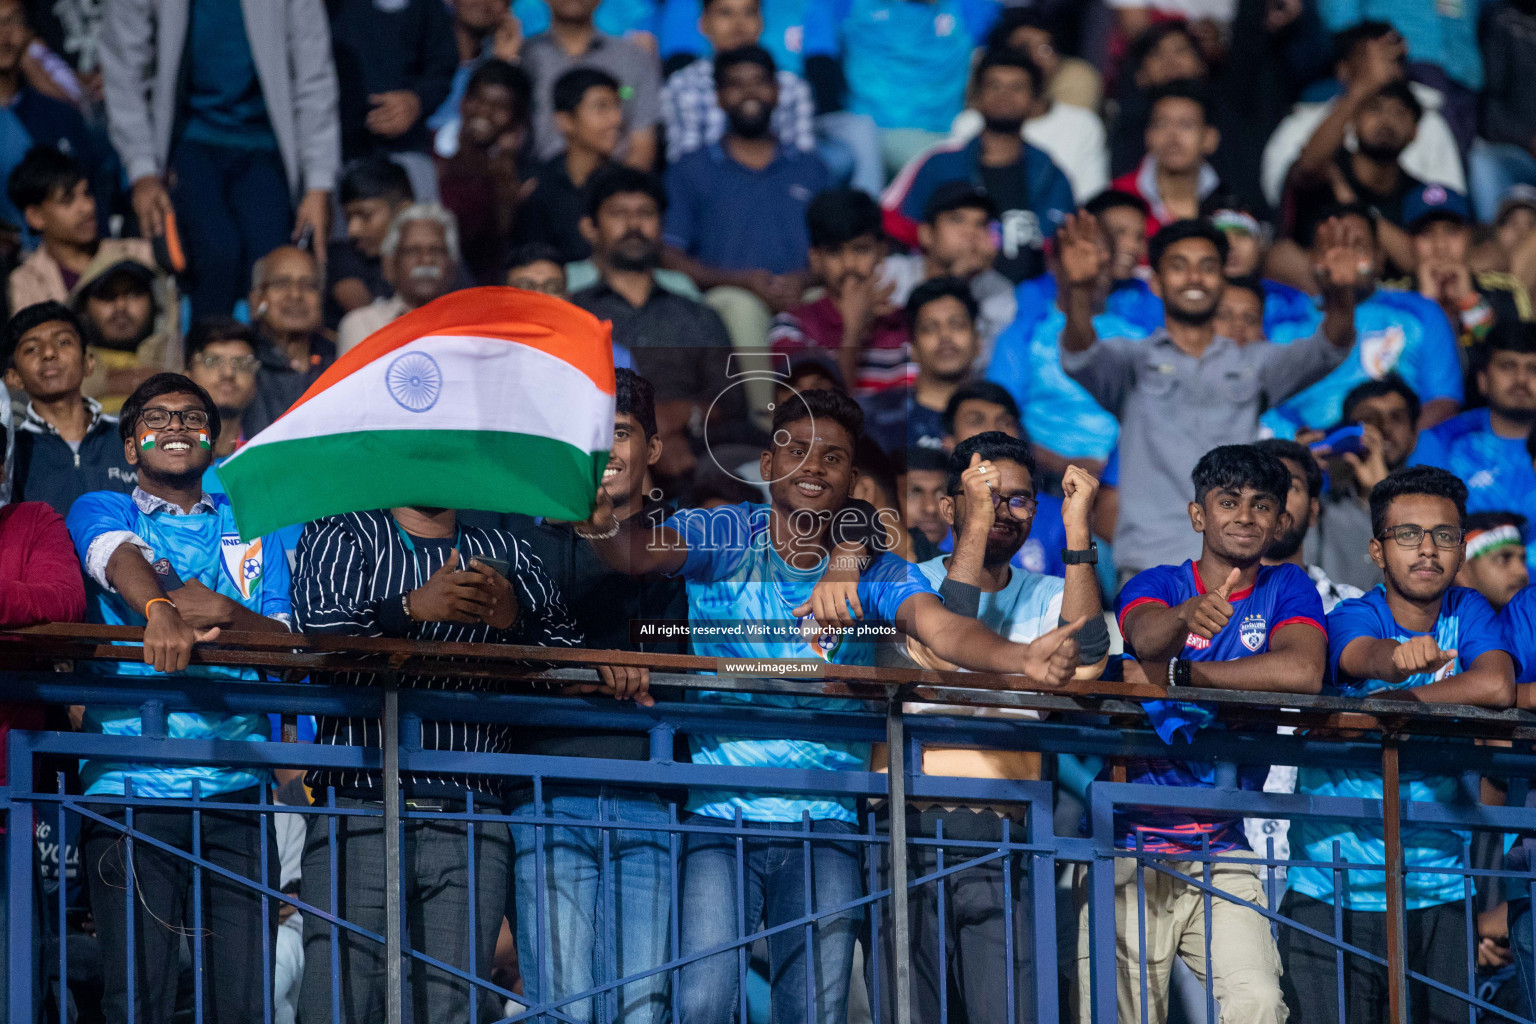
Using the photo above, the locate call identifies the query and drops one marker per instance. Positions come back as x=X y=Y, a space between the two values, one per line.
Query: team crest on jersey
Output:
x=1252 y=631
x=1380 y=351
x=1196 y=641
x=242 y=563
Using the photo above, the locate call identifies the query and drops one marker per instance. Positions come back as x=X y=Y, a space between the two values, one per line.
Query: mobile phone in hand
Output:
x=499 y=565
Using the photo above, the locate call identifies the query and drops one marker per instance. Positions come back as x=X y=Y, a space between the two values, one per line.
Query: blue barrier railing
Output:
x=1101 y=719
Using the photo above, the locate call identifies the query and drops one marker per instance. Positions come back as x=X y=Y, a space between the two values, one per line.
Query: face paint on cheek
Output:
x=202 y=439
x=146 y=441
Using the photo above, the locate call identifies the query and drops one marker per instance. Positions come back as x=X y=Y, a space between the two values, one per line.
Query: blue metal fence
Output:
x=1098 y=719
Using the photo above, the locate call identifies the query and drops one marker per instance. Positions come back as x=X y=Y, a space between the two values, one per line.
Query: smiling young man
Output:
x=169 y=558
x=65 y=446
x=603 y=603
x=1417 y=637
x=1224 y=621
x=990 y=501
x=1185 y=385
x=756 y=565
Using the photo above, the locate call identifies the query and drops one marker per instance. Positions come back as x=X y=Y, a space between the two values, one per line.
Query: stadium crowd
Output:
x=1215 y=314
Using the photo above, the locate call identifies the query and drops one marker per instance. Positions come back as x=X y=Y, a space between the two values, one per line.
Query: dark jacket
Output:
x=384 y=47
x=47 y=470
x=278 y=386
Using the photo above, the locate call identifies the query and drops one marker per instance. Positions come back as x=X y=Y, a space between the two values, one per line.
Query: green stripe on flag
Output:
x=286 y=482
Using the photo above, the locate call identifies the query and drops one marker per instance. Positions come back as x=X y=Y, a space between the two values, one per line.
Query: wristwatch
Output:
x=1083 y=556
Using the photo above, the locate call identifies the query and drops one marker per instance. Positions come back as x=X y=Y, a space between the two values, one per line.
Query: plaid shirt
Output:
x=694 y=119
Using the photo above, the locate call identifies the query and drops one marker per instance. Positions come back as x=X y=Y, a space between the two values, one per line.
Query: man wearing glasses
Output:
x=1417 y=637
x=286 y=313
x=989 y=501
x=169 y=558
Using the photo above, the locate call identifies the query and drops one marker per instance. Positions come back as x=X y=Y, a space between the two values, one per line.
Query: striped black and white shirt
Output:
x=351 y=572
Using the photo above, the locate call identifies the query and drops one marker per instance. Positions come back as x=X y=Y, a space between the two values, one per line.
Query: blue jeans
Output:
x=774 y=873
x=1492 y=167
x=1522 y=948
x=232 y=208
x=607 y=911
x=859 y=141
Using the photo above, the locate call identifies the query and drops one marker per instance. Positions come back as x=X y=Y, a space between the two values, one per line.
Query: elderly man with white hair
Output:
x=420 y=259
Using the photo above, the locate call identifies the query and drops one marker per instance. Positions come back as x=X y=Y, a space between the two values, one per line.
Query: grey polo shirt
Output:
x=1174 y=407
x=638 y=73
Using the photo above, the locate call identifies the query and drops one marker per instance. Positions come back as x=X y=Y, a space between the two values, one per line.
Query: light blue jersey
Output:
x=1497 y=470
x=735 y=576
x=1058 y=412
x=1399 y=332
x=1027 y=608
x=906 y=62
x=205 y=546
x=1466 y=625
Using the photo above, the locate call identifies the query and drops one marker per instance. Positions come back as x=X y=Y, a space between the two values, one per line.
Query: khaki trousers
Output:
x=1245 y=966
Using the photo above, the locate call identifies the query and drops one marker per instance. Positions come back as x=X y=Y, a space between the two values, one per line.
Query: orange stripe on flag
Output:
x=534 y=319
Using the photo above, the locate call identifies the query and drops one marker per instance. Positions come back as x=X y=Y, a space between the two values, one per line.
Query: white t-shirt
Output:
x=1023 y=611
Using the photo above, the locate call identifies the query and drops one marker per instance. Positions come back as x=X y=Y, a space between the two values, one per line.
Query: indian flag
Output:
x=494 y=399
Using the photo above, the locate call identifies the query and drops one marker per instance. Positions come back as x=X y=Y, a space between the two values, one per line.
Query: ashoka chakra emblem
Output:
x=414 y=381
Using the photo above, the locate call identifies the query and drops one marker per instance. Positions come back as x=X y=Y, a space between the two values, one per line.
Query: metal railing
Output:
x=1104 y=719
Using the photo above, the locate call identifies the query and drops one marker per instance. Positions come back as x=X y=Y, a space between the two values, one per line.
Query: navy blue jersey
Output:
x=1282 y=595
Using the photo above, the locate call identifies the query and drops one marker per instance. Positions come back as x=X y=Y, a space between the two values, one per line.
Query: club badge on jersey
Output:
x=1253 y=631
x=821 y=643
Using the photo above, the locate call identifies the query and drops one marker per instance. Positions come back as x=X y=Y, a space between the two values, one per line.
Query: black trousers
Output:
x=972 y=973
x=232 y=929
x=1437 y=948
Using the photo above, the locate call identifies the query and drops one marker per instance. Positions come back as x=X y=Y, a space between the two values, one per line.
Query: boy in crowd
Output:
x=1224 y=621
x=537 y=268
x=1176 y=175
x=159 y=559
x=590 y=117
x=54 y=196
x=65 y=446
x=372 y=191
x=990 y=502
x=941 y=315
x=602 y=604
x=1495 y=565
x=1240 y=315
x=955 y=240
x=856 y=322
x=743 y=562
x=1439 y=222
x=480 y=182
x=1418 y=637
x=1388 y=412
x=132 y=322
x=927 y=477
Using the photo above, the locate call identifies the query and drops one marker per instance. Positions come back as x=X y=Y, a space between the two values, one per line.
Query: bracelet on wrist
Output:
x=405 y=606
x=154 y=601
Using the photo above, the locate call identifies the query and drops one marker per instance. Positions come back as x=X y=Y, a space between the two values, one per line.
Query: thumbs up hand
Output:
x=1207 y=613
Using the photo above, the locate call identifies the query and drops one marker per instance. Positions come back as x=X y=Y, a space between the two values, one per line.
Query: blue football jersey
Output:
x=1282 y=595
x=203 y=546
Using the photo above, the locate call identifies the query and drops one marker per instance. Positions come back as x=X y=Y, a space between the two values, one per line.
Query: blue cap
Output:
x=1434 y=202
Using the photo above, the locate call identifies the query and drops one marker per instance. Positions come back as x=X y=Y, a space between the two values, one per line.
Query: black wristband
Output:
x=1081 y=556
x=1181 y=672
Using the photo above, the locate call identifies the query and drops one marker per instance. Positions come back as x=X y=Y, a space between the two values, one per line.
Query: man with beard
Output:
x=1327 y=172
x=421 y=257
x=678 y=344
x=758 y=564
x=737 y=216
x=1185 y=383
x=285 y=310
x=1486 y=448
x=1029 y=190
x=990 y=500
x=1416 y=638
x=1221 y=621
